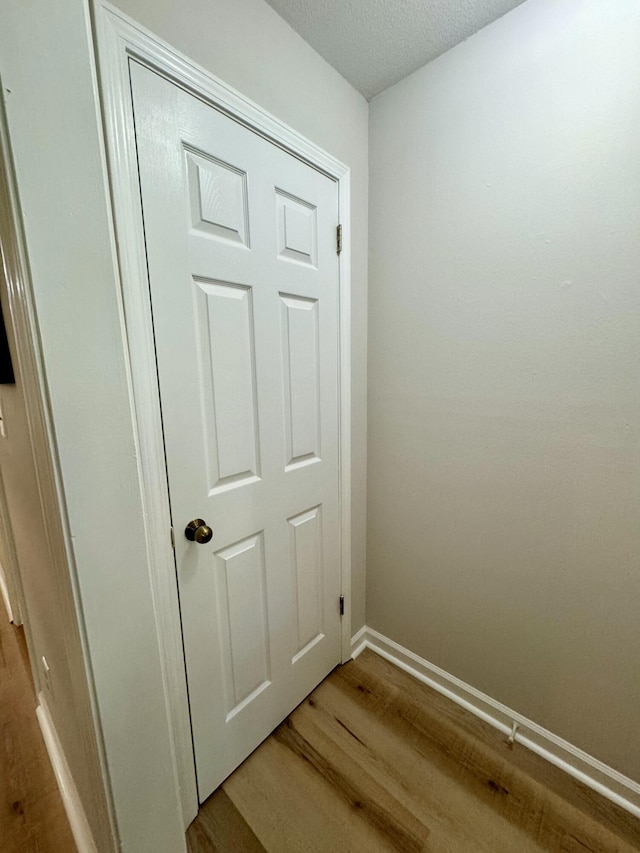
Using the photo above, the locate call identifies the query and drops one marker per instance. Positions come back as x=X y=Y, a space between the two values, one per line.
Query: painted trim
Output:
x=598 y=776
x=120 y=40
x=5 y=595
x=68 y=791
x=359 y=642
x=10 y=580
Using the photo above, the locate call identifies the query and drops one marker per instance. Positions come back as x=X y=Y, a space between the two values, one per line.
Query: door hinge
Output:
x=173 y=540
x=339 y=239
x=342 y=605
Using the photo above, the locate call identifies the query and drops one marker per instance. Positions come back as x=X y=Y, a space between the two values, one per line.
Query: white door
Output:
x=243 y=271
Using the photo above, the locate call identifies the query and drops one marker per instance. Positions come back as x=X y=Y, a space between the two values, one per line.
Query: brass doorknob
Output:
x=198 y=531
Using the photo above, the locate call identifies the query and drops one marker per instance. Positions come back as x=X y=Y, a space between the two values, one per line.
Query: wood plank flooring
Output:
x=376 y=761
x=32 y=817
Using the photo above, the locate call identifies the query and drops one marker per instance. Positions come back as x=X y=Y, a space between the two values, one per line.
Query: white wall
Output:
x=504 y=406
x=54 y=126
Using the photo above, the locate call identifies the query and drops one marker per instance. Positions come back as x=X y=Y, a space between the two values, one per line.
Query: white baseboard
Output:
x=359 y=642
x=608 y=782
x=68 y=791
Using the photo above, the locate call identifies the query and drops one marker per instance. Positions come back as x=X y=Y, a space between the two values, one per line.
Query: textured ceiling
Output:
x=375 y=43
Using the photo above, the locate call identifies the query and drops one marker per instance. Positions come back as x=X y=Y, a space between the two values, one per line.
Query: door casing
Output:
x=118 y=40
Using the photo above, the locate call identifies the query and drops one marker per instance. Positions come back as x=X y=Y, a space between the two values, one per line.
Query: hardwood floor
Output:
x=32 y=817
x=375 y=761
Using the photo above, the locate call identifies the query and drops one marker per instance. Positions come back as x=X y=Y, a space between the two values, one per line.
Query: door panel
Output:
x=305 y=549
x=223 y=315
x=301 y=380
x=243 y=621
x=243 y=274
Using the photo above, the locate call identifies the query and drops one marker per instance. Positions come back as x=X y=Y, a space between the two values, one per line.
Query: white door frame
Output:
x=11 y=271
x=10 y=581
x=119 y=40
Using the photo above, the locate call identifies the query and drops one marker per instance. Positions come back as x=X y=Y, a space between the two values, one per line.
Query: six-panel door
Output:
x=243 y=274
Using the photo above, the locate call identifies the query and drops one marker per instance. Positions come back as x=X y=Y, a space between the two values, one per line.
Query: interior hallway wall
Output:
x=504 y=369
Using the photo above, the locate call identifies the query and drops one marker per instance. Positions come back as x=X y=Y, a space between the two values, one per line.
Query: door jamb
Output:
x=10 y=580
x=119 y=40
x=10 y=269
